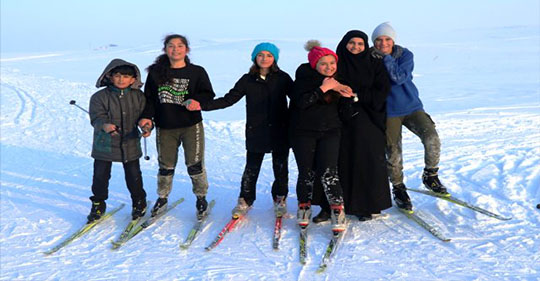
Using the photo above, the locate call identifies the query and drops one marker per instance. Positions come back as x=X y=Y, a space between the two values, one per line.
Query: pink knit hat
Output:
x=316 y=52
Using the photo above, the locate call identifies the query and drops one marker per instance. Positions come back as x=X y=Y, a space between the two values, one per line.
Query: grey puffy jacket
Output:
x=122 y=108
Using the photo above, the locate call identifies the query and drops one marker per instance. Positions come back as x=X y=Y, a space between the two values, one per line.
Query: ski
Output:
x=119 y=241
x=330 y=250
x=197 y=228
x=228 y=228
x=146 y=223
x=277 y=233
x=413 y=216
x=303 y=244
x=83 y=230
x=454 y=200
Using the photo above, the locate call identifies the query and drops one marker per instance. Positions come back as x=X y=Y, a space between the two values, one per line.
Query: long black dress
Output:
x=362 y=161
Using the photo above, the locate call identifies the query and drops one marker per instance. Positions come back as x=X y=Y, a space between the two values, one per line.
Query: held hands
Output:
x=146 y=127
x=344 y=91
x=192 y=105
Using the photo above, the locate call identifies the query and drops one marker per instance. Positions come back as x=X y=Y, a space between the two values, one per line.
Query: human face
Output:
x=122 y=81
x=264 y=59
x=327 y=65
x=356 y=45
x=384 y=44
x=176 y=50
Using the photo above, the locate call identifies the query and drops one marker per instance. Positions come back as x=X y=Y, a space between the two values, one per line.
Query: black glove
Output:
x=377 y=54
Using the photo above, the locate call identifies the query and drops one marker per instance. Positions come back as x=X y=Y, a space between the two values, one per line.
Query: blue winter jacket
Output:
x=403 y=98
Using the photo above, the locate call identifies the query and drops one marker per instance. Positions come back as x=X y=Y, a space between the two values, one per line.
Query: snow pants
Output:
x=421 y=124
x=192 y=141
x=317 y=154
x=102 y=174
x=280 y=165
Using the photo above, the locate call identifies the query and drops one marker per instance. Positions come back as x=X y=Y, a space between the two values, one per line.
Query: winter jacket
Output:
x=122 y=108
x=403 y=98
x=267 y=115
x=309 y=110
x=164 y=100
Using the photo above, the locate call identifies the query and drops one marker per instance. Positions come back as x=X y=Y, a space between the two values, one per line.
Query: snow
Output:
x=482 y=88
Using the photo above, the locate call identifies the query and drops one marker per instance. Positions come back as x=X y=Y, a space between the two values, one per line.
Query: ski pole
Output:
x=73 y=102
x=146 y=157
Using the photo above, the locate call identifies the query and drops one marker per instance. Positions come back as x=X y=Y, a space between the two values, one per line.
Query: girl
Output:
x=315 y=131
x=266 y=88
x=172 y=80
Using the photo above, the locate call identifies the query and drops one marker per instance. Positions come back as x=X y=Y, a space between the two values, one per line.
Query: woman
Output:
x=362 y=162
x=315 y=131
x=266 y=88
x=172 y=80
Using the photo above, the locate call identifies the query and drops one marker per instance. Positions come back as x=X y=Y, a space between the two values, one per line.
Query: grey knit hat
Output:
x=384 y=29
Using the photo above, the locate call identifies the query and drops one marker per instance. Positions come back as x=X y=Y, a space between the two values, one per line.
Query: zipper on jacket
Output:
x=122 y=127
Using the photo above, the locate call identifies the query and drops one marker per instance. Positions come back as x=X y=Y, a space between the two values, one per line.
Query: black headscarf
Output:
x=355 y=70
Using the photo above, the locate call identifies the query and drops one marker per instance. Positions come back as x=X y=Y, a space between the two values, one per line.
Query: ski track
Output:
x=490 y=157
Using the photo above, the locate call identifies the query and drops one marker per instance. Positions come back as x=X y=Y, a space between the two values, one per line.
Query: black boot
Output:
x=139 y=209
x=201 y=206
x=365 y=217
x=401 y=197
x=324 y=215
x=98 y=209
x=160 y=205
x=431 y=180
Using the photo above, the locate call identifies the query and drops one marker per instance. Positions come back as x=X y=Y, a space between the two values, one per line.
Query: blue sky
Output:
x=36 y=25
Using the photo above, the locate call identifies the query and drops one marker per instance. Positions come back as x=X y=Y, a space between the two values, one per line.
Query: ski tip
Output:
x=208 y=249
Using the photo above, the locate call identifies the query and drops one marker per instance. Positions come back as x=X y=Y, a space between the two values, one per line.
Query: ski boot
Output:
x=365 y=217
x=324 y=215
x=431 y=180
x=303 y=214
x=241 y=208
x=401 y=197
x=139 y=209
x=159 y=207
x=98 y=209
x=280 y=206
x=201 y=206
x=337 y=214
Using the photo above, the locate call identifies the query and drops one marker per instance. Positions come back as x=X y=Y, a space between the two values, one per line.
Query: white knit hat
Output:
x=384 y=29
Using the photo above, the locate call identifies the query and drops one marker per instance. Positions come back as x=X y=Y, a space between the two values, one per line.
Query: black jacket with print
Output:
x=164 y=101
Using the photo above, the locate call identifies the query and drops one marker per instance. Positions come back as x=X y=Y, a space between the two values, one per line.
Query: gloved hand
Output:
x=377 y=54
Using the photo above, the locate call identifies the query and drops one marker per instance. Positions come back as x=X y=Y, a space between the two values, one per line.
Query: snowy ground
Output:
x=482 y=91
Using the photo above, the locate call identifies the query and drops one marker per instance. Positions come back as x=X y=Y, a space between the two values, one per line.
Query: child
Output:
x=114 y=113
x=173 y=79
x=405 y=108
x=266 y=88
x=316 y=108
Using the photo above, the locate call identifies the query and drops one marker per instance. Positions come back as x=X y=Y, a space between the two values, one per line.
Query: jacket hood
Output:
x=103 y=79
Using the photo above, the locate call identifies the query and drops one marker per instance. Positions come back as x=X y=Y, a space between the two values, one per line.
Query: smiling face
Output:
x=327 y=65
x=264 y=59
x=384 y=44
x=356 y=45
x=176 y=50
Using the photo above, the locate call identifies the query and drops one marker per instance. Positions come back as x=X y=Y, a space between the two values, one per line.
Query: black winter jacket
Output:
x=309 y=111
x=267 y=115
x=122 y=108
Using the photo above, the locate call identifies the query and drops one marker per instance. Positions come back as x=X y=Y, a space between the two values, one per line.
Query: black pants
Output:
x=280 y=165
x=102 y=174
x=317 y=154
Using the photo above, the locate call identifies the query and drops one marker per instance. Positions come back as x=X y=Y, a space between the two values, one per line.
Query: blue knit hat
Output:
x=265 y=46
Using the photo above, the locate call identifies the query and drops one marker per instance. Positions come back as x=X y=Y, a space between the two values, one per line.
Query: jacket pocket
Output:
x=103 y=142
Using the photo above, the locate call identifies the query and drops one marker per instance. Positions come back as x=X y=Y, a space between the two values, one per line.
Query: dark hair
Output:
x=161 y=66
x=124 y=70
x=255 y=69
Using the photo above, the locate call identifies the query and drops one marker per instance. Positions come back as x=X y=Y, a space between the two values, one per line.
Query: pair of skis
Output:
x=133 y=228
x=329 y=252
x=432 y=229
x=235 y=220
